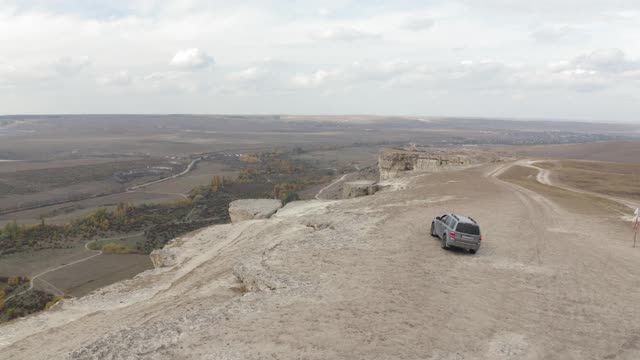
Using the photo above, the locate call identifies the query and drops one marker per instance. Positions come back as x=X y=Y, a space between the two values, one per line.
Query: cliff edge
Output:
x=362 y=278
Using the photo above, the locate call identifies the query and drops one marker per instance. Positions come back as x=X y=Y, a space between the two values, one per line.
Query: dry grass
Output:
x=619 y=180
x=113 y=248
x=610 y=151
x=576 y=202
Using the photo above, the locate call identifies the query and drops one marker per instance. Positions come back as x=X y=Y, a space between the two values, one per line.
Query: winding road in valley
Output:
x=190 y=167
x=86 y=247
x=132 y=189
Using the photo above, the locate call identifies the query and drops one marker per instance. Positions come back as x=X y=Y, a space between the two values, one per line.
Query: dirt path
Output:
x=35 y=277
x=544 y=177
x=186 y=171
x=317 y=197
x=128 y=190
x=48 y=271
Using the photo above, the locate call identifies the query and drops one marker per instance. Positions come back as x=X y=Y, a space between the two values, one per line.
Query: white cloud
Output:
x=400 y=53
x=324 y=12
x=248 y=74
x=342 y=34
x=191 y=59
x=164 y=81
x=68 y=66
x=587 y=73
x=558 y=33
x=606 y=60
x=418 y=23
x=120 y=78
x=44 y=74
x=314 y=79
x=155 y=82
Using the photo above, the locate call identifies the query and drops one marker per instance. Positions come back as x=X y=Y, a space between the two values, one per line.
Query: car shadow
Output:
x=459 y=251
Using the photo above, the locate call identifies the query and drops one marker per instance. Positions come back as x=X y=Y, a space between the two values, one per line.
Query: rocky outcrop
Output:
x=249 y=209
x=353 y=189
x=163 y=258
x=392 y=162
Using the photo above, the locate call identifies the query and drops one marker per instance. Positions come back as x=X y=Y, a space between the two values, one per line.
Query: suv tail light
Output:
x=452 y=234
x=480 y=237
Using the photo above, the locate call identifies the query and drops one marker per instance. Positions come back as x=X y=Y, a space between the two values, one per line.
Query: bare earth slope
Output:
x=363 y=279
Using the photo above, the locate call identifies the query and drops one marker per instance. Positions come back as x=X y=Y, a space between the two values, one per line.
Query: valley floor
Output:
x=555 y=278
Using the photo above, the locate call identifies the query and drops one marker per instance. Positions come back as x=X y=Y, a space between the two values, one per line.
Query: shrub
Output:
x=25 y=304
x=289 y=197
x=53 y=301
x=113 y=248
x=94 y=246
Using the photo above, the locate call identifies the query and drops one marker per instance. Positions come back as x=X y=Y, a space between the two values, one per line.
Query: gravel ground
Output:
x=362 y=278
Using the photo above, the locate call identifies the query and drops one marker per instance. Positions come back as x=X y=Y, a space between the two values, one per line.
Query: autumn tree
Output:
x=249 y=158
x=217 y=183
x=122 y=210
x=2 y=296
x=11 y=230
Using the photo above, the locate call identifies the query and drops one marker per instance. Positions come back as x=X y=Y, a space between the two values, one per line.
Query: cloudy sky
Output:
x=557 y=59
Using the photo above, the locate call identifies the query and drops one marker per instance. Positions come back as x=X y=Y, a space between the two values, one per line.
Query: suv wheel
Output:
x=472 y=251
x=432 y=230
x=444 y=241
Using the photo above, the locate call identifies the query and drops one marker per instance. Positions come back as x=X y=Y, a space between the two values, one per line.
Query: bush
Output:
x=113 y=248
x=53 y=301
x=94 y=245
x=25 y=304
x=289 y=197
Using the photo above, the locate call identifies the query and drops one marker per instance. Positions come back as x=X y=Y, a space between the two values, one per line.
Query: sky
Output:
x=543 y=59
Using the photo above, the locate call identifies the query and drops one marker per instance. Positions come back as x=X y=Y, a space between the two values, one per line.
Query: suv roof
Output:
x=464 y=219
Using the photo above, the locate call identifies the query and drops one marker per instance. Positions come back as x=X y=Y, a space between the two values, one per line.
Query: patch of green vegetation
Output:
x=94 y=245
x=113 y=248
x=24 y=304
x=21 y=304
x=53 y=301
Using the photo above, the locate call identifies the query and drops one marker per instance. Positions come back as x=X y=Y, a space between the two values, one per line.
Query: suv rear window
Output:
x=470 y=229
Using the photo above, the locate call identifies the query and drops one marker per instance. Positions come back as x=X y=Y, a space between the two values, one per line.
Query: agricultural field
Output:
x=36 y=187
x=346 y=158
x=84 y=277
x=201 y=175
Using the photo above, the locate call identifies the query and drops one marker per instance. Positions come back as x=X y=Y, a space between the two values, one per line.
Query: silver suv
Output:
x=458 y=231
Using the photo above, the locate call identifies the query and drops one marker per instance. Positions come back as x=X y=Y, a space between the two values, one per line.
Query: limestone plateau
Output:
x=361 y=277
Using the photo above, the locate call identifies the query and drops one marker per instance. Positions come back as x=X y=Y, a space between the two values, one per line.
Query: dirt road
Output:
x=544 y=177
x=184 y=172
x=332 y=184
x=128 y=190
x=362 y=278
x=53 y=288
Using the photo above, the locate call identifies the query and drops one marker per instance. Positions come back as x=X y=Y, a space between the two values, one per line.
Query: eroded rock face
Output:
x=163 y=258
x=358 y=188
x=249 y=209
x=392 y=162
